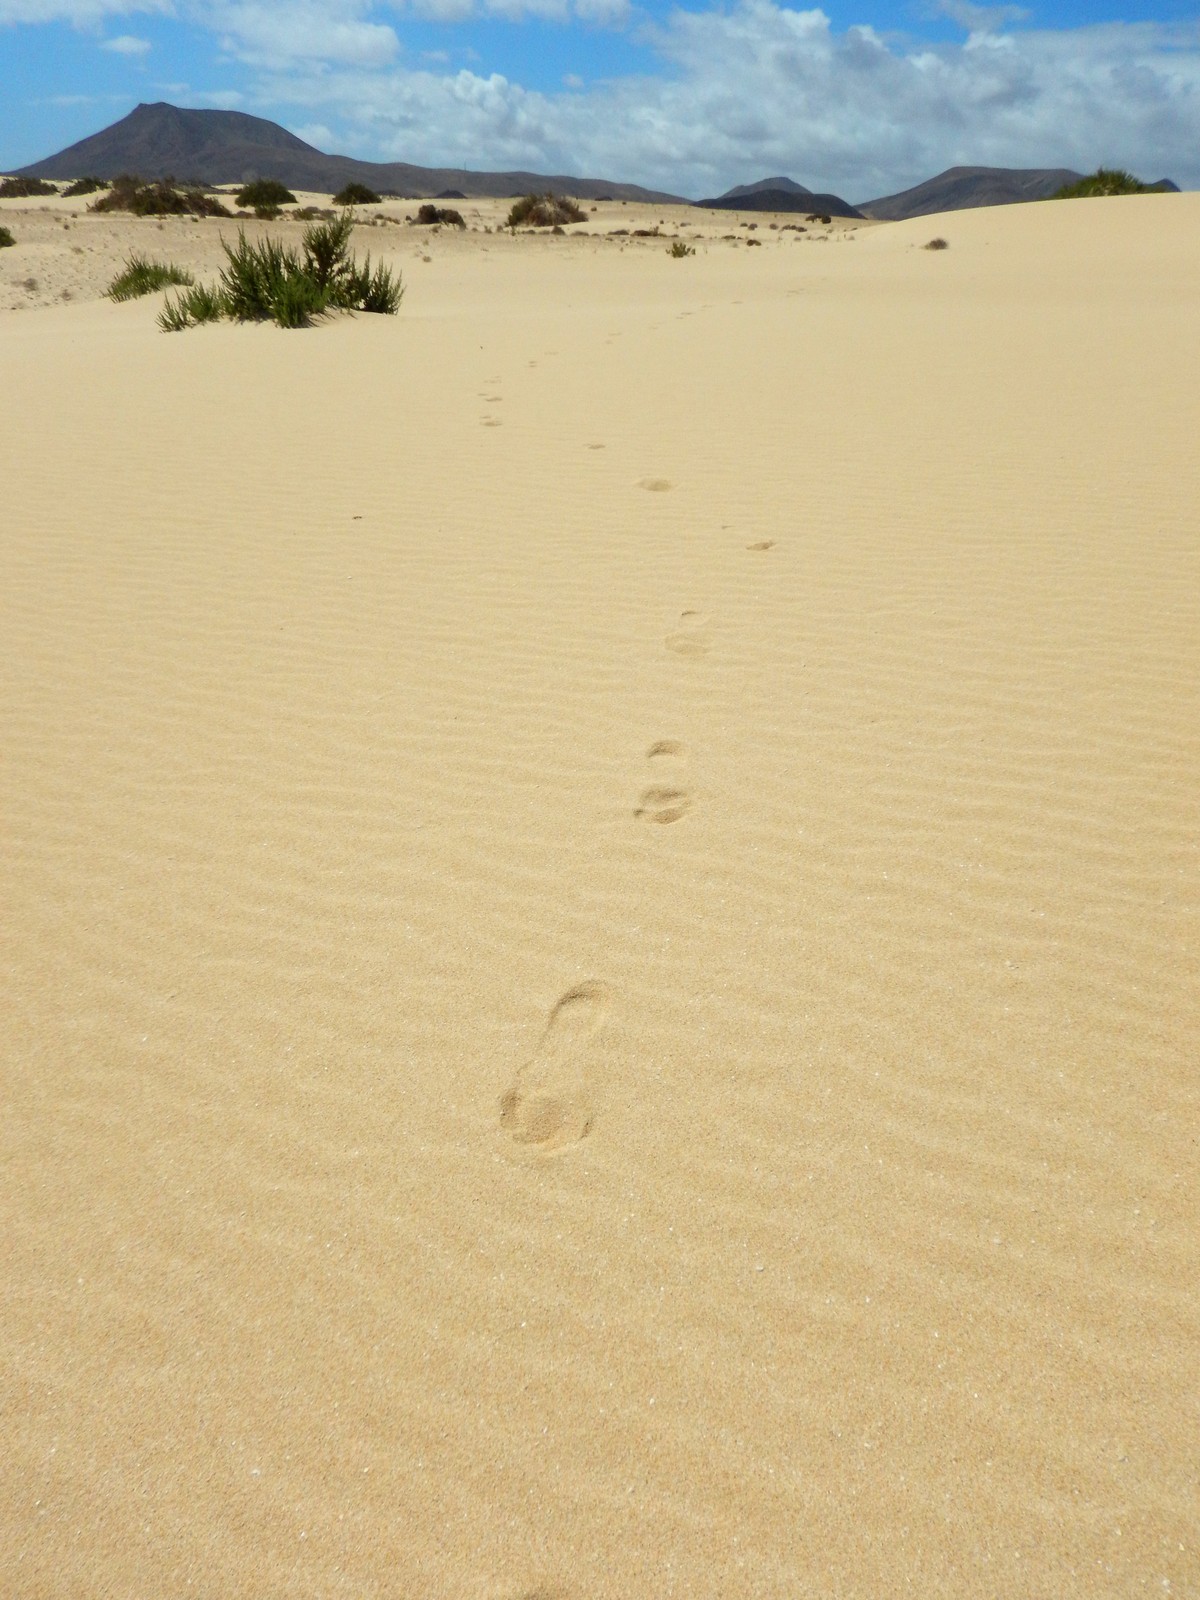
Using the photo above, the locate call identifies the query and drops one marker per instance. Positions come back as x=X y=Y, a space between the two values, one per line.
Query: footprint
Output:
x=492 y=422
x=595 y=447
x=693 y=637
x=666 y=800
x=548 y=1104
x=762 y=544
x=655 y=485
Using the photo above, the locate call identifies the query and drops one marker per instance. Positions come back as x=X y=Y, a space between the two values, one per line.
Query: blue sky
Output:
x=861 y=97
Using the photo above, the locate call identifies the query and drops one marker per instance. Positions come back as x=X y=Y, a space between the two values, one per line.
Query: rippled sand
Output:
x=599 y=908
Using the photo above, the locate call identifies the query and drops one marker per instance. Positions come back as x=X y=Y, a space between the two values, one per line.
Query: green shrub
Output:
x=25 y=188
x=432 y=216
x=159 y=199
x=1105 y=180
x=83 y=186
x=265 y=280
x=265 y=192
x=199 y=304
x=326 y=247
x=356 y=194
x=544 y=211
x=144 y=277
x=937 y=244
x=6 y=239
x=678 y=250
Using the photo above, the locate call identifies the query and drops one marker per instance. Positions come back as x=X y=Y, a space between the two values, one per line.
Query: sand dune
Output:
x=600 y=921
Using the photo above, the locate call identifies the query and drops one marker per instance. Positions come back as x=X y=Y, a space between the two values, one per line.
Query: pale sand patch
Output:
x=842 y=1238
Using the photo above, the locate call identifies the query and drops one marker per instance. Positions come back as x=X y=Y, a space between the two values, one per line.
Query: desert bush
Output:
x=430 y=216
x=199 y=304
x=83 y=186
x=25 y=188
x=311 y=213
x=269 y=281
x=144 y=277
x=6 y=239
x=264 y=192
x=1104 y=181
x=158 y=199
x=267 y=213
x=356 y=194
x=937 y=244
x=678 y=250
x=544 y=211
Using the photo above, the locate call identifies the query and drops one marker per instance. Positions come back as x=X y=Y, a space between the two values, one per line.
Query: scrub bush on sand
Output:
x=6 y=239
x=160 y=199
x=266 y=281
x=1105 y=180
x=25 y=188
x=265 y=192
x=356 y=194
x=544 y=211
x=144 y=277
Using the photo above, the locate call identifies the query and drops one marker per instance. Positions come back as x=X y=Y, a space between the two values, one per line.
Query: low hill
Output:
x=796 y=200
x=787 y=184
x=159 y=140
x=962 y=188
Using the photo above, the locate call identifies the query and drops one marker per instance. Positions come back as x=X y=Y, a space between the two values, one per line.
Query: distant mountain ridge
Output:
x=964 y=188
x=163 y=140
x=780 y=194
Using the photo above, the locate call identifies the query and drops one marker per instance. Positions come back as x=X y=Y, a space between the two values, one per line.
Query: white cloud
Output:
x=126 y=45
x=81 y=13
x=265 y=33
x=730 y=94
x=760 y=88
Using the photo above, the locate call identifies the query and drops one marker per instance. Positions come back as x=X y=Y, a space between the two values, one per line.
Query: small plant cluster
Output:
x=142 y=276
x=265 y=193
x=83 y=186
x=6 y=239
x=356 y=194
x=678 y=250
x=433 y=216
x=1105 y=180
x=937 y=244
x=270 y=282
x=25 y=188
x=159 y=199
x=544 y=211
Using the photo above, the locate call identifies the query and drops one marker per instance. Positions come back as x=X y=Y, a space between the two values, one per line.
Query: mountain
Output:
x=754 y=198
x=961 y=188
x=162 y=140
x=786 y=184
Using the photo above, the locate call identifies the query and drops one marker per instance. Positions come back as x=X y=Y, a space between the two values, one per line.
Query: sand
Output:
x=599 y=910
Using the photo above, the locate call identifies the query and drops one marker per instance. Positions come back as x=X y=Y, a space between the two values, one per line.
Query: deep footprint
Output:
x=667 y=799
x=548 y=1104
x=762 y=544
x=693 y=637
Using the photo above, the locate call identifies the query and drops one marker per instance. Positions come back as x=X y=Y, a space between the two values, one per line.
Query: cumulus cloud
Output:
x=81 y=13
x=266 y=34
x=729 y=93
x=126 y=45
x=761 y=88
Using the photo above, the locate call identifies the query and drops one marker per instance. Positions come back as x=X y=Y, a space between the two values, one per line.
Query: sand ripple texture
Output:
x=572 y=1039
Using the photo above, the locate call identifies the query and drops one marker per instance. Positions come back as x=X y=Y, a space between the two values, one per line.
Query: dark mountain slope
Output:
x=962 y=188
x=831 y=205
x=158 y=140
